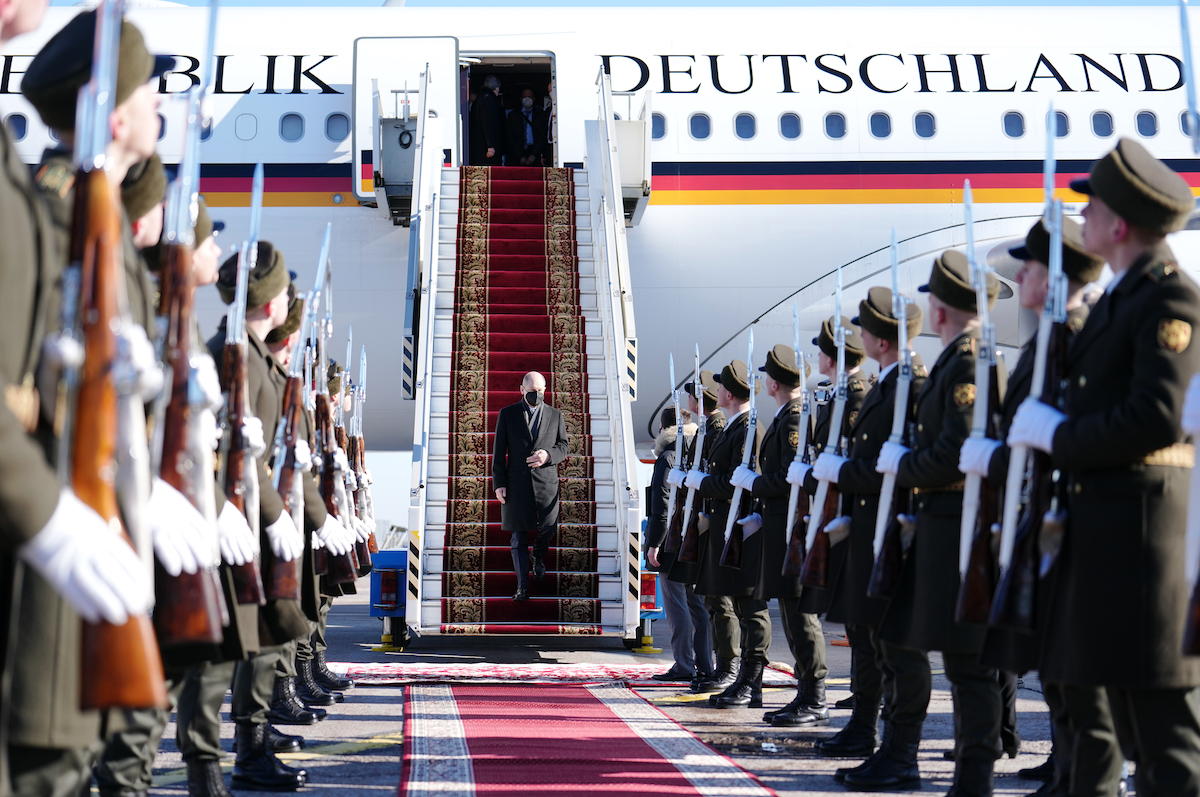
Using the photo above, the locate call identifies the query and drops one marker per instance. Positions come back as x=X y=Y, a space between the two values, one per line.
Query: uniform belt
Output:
x=1179 y=455
x=957 y=487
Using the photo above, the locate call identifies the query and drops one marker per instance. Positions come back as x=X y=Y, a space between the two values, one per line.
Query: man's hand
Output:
x=828 y=467
x=537 y=459
x=652 y=557
x=491 y=152
x=694 y=479
x=796 y=473
x=1034 y=425
x=501 y=494
x=675 y=477
x=890 y=456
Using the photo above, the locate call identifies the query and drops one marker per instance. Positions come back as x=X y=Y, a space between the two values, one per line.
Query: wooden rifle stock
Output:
x=361 y=468
x=247 y=580
x=361 y=551
x=815 y=570
x=885 y=575
x=344 y=568
x=188 y=607
x=731 y=554
x=793 y=559
x=1014 y=603
x=282 y=580
x=122 y=667
x=975 y=593
x=674 y=543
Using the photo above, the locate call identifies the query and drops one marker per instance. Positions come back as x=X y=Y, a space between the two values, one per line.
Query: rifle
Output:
x=793 y=560
x=239 y=471
x=346 y=442
x=362 y=496
x=344 y=568
x=189 y=607
x=122 y=667
x=672 y=494
x=689 y=546
x=891 y=530
x=828 y=497
x=741 y=503
x=976 y=562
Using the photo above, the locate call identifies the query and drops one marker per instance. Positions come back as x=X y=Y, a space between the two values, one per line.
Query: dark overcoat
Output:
x=771 y=491
x=716 y=490
x=688 y=572
x=532 y=500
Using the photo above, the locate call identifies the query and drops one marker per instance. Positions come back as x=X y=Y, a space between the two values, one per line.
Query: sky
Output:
x=671 y=3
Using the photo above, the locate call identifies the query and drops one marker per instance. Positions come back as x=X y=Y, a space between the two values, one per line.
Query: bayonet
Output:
x=904 y=378
x=816 y=516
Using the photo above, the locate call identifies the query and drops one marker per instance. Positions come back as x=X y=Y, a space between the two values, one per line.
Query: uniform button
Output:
x=920 y=427
x=1078 y=488
x=1082 y=380
x=864 y=437
x=862 y=502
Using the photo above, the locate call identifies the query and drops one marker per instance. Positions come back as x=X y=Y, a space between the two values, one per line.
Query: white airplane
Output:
x=783 y=142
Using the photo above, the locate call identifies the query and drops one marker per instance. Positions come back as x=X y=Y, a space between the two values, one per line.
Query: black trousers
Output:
x=520 y=550
x=805 y=639
x=907 y=670
x=867 y=680
x=1010 y=737
x=1160 y=730
x=1087 y=758
x=976 y=692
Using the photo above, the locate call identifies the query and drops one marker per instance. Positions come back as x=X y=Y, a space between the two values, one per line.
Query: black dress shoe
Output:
x=256 y=768
x=539 y=568
x=847 y=702
x=894 y=768
x=810 y=709
x=671 y=676
x=1043 y=771
x=521 y=595
x=721 y=679
x=204 y=779
x=280 y=742
x=857 y=739
x=327 y=678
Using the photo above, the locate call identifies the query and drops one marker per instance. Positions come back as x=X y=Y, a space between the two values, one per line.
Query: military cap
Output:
x=875 y=315
x=855 y=352
x=781 y=366
x=145 y=186
x=295 y=314
x=64 y=64
x=205 y=226
x=1079 y=264
x=268 y=279
x=334 y=375
x=708 y=384
x=950 y=281
x=1139 y=188
x=735 y=378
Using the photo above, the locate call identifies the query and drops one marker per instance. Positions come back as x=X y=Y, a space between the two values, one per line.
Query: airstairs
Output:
x=514 y=270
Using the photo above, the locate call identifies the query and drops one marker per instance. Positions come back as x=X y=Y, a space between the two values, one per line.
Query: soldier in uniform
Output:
x=860 y=483
x=1123 y=451
x=716 y=580
x=723 y=632
x=920 y=616
x=1092 y=730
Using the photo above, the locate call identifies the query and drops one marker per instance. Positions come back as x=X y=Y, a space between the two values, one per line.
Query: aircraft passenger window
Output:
x=744 y=125
x=162 y=126
x=337 y=126
x=835 y=125
x=18 y=126
x=1014 y=124
x=701 y=126
x=924 y=125
x=291 y=127
x=1062 y=125
x=206 y=129
x=658 y=126
x=789 y=126
x=1185 y=125
x=881 y=124
x=1147 y=124
x=245 y=126
x=1102 y=124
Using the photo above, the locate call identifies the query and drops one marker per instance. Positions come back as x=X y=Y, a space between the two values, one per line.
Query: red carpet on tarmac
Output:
x=601 y=740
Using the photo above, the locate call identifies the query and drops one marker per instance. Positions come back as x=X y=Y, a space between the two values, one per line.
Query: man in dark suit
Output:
x=487 y=127
x=531 y=439
x=526 y=133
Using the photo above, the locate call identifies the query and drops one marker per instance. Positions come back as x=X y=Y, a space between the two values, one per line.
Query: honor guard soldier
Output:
x=724 y=635
x=855 y=475
x=1088 y=726
x=920 y=616
x=728 y=588
x=1120 y=606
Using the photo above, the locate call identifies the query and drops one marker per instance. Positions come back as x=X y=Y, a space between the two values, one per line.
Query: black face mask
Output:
x=533 y=398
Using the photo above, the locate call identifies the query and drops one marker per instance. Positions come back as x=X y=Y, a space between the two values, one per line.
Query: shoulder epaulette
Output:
x=56 y=177
x=1161 y=270
x=856 y=385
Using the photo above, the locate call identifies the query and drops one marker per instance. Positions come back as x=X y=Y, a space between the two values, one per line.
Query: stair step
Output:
x=559 y=560
x=433 y=584
x=611 y=616
x=435 y=515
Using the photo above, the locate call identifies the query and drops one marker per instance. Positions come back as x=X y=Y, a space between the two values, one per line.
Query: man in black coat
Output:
x=526 y=133
x=531 y=439
x=487 y=131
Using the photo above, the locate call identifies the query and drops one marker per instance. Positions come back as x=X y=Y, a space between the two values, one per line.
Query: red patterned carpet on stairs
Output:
x=517 y=309
x=599 y=740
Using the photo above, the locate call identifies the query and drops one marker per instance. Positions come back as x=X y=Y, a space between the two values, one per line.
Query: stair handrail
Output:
x=412 y=299
x=611 y=172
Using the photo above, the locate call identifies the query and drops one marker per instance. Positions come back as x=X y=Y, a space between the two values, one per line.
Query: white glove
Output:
x=361 y=530
x=828 y=467
x=976 y=455
x=238 y=543
x=694 y=479
x=370 y=521
x=796 y=473
x=304 y=459
x=743 y=477
x=890 y=456
x=675 y=477
x=208 y=431
x=367 y=475
x=351 y=481
x=316 y=542
x=340 y=462
x=1034 y=426
x=336 y=537
x=1191 y=408
x=136 y=369
x=183 y=538
x=62 y=351
x=206 y=383
x=85 y=560
x=252 y=434
x=751 y=523
x=286 y=540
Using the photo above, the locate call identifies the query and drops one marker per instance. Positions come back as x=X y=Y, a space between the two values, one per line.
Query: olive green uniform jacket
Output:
x=771 y=492
x=725 y=456
x=1121 y=602
x=688 y=572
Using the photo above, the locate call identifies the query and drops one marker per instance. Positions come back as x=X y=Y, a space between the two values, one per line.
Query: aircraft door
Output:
x=388 y=76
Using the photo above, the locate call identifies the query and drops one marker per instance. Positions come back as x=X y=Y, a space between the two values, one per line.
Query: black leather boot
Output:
x=884 y=742
x=1043 y=771
x=739 y=670
x=329 y=680
x=972 y=778
x=721 y=679
x=280 y=742
x=857 y=739
x=285 y=708
x=895 y=768
x=796 y=701
x=810 y=713
x=256 y=768
x=749 y=693
x=307 y=690
x=204 y=778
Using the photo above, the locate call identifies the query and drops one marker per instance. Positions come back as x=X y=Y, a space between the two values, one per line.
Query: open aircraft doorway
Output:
x=516 y=73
